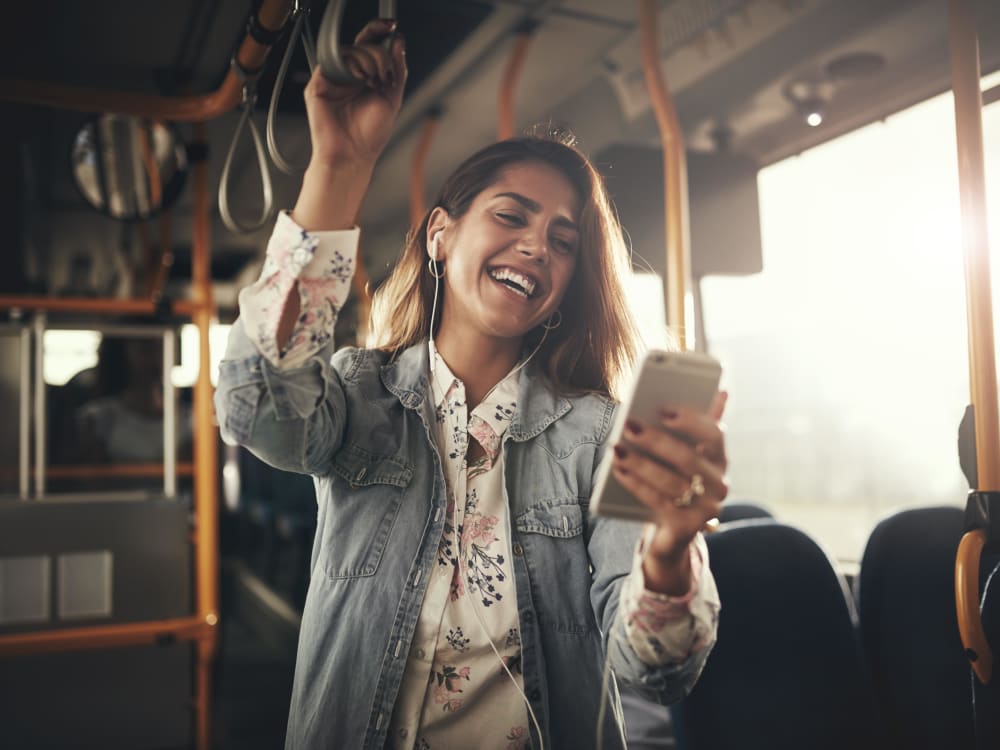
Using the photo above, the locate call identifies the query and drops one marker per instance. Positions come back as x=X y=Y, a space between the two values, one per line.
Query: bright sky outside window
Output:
x=846 y=357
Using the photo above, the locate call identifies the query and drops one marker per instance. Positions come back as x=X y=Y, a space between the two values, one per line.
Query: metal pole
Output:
x=169 y=418
x=206 y=499
x=24 y=415
x=675 y=195
x=966 y=85
x=40 y=453
x=975 y=241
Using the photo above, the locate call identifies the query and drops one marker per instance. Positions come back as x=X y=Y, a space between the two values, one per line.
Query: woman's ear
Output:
x=436 y=225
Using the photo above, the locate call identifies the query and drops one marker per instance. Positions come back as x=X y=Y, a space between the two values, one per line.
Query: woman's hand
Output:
x=351 y=124
x=680 y=474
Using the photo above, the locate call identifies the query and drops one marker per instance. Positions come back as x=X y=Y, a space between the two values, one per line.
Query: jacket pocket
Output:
x=366 y=492
x=551 y=535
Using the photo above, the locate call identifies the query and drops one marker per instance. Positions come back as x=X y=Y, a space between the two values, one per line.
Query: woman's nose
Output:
x=535 y=248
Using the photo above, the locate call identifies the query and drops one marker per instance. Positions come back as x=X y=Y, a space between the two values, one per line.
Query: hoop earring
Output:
x=548 y=325
x=432 y=268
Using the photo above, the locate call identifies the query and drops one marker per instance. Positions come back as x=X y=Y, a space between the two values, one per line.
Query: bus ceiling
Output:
x=757 y=79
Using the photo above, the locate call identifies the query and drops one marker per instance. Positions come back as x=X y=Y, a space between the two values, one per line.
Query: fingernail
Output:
x=633 y=427
x=390 y=23
x=620 y=451
x=668 y=414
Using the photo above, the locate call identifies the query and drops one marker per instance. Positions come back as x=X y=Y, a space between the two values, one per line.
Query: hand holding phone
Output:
x=666 y=381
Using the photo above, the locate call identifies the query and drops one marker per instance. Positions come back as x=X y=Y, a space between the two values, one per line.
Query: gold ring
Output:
x=695 y=490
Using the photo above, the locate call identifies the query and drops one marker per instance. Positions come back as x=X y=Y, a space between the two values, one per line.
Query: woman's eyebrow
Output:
x=536 y=208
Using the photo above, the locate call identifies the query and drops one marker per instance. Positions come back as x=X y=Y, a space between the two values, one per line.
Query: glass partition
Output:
x=111 y=420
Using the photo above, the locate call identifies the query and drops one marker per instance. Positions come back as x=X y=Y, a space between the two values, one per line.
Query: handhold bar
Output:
x=328 y=48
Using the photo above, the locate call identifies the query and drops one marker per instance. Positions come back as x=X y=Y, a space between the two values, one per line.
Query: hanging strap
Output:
x=249 y=80
x=300 y=27
x=328 y=49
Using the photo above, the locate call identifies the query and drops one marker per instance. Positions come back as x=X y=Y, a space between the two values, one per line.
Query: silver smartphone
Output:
x=665 y=380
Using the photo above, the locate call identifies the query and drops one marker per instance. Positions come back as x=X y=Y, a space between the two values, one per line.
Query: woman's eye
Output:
x=509 y=217
x=565 y=246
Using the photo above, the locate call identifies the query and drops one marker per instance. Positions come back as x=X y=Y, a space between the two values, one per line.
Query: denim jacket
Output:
x=360 y=422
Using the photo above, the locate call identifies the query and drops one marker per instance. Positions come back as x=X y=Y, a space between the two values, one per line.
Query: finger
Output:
x=718 y=405
x=692 y=425
x=367 y=59
x=651 y=472
x=666 y=479
x=659 y=501
x=397 y=54
x=376 y=30
x=665 y=447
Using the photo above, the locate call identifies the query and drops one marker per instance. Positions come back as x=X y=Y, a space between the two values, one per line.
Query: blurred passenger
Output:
x=125 y=424
x=461 y=594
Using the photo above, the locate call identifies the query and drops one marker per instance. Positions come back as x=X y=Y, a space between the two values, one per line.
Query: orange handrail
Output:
x=675 y=192
x=147 y=633
x=96 y=305
x=101 y=471
x=200 y=108
x=970 y=628
x=508 y=84
x=966 y=85
x=417 y=204
x=113 y=471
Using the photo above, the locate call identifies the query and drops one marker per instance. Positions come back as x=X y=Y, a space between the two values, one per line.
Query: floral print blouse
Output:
x=454 y=692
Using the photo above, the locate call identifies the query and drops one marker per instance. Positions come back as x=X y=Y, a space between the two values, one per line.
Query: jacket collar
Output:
x=538 y=406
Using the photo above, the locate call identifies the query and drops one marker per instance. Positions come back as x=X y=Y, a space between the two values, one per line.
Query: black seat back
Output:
x=906 y=600
x=786 y=671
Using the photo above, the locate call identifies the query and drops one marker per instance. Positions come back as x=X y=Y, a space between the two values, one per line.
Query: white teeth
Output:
x=520 y=284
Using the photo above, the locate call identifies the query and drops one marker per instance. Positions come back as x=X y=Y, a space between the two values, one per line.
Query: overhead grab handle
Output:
x=300 y=27
x=328 y=48
x=249 y=79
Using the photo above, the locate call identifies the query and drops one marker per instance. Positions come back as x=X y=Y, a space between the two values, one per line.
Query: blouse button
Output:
x=517 y=549
x=419 y=653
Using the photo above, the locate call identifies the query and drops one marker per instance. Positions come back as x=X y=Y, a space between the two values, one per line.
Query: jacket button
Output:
x=534 y=695
x=517 y=549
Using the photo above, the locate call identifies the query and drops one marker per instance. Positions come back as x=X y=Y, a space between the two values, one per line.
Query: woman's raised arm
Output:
x=278 y=393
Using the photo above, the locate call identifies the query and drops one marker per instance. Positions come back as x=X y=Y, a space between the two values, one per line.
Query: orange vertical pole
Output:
x=206 y=451
x=508 y=84
x=417 y=204
x=966 y=85
x=675 y=193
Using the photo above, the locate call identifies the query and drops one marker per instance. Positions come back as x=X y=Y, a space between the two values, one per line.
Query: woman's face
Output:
x=509 y=260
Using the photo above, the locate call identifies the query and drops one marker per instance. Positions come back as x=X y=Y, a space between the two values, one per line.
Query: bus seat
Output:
x=986 y=698
x=909 y=633
x=786 y=672
x=743 y=510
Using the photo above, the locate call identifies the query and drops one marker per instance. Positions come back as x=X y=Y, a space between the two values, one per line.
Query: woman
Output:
x=461 y=595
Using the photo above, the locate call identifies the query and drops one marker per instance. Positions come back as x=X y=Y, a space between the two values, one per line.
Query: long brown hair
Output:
x=597 y=340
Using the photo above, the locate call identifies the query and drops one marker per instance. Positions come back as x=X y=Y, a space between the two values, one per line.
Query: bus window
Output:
x=106 y=403
x=847 y=355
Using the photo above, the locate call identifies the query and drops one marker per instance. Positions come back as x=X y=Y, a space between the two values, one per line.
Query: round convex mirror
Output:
x=127 y=167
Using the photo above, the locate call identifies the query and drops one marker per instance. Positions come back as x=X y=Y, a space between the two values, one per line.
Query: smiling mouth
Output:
x=515 y=281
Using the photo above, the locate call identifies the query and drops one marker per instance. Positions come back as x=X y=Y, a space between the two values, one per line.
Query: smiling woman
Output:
x=453 y=476
x=542 y=234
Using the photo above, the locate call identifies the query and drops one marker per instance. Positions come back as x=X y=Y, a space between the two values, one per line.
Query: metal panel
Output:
x=24 y=589
x=84 y=584
x=149 y=541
